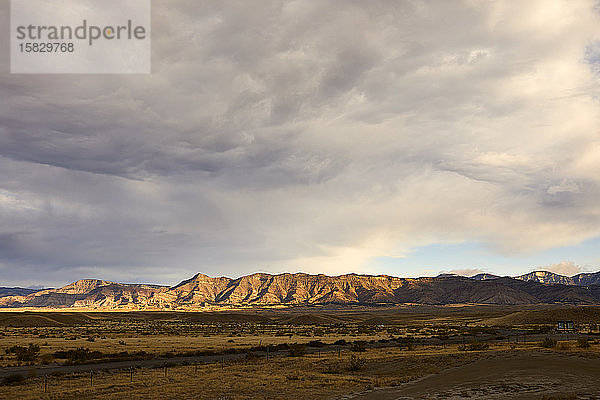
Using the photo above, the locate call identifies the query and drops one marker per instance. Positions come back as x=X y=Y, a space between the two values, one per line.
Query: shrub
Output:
x=570 y=396
x=482 y=330
x=252 y=356
x=356 y=363
x=47 y=359
x=583 y=343
x=359 y=346
x=562 y=346
x=479 y=346
x=297 y=350
x=548 y=343
x=474 y=346
x=29 y=353
x=78 y=355
x=12 y=379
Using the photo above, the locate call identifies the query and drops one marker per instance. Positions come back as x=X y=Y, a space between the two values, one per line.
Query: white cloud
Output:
x=465 y=271
x=568 y=268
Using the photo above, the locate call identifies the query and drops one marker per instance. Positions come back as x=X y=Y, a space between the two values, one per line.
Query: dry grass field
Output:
x=384 y=352
x=369 y=374
x=308 y=377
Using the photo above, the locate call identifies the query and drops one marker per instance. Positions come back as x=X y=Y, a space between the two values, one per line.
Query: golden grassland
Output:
x=414 y=352
x=312 y=376
x=161 y=344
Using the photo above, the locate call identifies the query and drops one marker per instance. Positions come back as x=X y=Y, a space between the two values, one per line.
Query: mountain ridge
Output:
x=296 y=289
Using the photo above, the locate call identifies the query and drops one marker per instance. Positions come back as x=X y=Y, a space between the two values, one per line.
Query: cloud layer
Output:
x=306 y=136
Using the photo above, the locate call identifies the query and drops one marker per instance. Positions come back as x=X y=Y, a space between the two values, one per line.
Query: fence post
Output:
x=267 y=354
x=222 y=362
x=45 y=383
x=339 y=352
x=131 y=374
x=91 y=378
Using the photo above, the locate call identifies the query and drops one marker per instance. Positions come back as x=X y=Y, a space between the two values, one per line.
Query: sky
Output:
x=407 y=138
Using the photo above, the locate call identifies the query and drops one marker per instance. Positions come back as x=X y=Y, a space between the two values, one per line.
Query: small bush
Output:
x=548 y=343
x=482 y=330
x=474 y=346
x=29 y=353
x=297 y=350
x=359 y=346
x=562 y=346
x=78 y=355
x=12 y=379
x=47 y=359
x=570 y=396
x=252 y=356
x=356 y=363
x=583 y=343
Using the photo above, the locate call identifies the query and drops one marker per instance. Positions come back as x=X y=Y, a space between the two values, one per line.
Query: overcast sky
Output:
x=401 y=137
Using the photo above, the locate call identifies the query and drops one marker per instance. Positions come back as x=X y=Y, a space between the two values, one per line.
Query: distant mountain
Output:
x=587 y=279
x=201 y=292
x=484 y=277
x=88 y=293
x=15 y=291
x=584 y=279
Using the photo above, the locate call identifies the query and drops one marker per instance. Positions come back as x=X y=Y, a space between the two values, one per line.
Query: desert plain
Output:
x=328 y=352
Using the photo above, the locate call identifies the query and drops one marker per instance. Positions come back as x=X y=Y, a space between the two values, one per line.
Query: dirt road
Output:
x=534 y=375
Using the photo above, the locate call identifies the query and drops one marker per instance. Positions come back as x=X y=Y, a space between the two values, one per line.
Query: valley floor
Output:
x=420 y=352
x=503 y=371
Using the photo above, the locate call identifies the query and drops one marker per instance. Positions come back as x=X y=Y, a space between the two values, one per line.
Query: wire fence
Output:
x=36 y=383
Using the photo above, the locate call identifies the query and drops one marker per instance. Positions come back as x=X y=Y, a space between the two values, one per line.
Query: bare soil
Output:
x=518 y=375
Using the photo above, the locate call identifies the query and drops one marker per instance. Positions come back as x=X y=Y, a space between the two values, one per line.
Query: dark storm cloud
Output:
x=304 y=135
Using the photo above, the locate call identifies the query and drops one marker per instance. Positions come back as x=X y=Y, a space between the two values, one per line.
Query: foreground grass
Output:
x=310 y=377
x=315 y=376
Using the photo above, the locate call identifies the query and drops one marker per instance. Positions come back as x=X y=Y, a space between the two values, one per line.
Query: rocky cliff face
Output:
x=546 y=277
x=15 y=291
x=549 y=278
x=303 y=289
